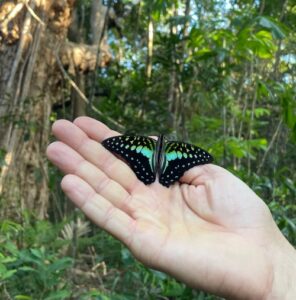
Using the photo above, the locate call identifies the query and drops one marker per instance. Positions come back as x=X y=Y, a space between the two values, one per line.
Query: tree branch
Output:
x=82 y=95
x=270 y=146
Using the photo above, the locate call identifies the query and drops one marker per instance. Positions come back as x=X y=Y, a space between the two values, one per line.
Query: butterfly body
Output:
x=150 y=158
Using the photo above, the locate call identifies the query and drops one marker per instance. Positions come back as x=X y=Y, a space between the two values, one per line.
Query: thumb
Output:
x=202 y=173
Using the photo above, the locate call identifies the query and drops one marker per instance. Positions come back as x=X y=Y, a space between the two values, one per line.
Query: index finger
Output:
x=90 y=126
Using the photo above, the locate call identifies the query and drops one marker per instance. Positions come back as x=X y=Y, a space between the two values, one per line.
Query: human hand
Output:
x=210 y=231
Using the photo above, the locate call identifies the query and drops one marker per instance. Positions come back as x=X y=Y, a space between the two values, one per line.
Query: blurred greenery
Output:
x=223 y=77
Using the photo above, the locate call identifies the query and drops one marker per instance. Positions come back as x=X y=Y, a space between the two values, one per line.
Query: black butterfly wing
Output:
x=179 y=157
x=138 y=152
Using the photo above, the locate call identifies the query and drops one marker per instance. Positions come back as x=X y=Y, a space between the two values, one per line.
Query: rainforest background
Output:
x=220 y=74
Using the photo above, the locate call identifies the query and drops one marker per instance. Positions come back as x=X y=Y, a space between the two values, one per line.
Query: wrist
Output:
x=283 y=257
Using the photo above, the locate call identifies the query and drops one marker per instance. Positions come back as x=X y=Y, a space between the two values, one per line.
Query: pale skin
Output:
x=210 y=230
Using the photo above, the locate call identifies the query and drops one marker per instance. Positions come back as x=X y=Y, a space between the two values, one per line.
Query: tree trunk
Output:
x=33 y=51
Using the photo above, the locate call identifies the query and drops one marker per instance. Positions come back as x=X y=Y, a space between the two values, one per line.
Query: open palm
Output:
x=210 y=231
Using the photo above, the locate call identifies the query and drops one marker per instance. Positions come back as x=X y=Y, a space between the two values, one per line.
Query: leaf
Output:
x=261 y=111
x=6 y=259
x=259 y=144
x=289 y=110
x=276 y=28
x=8 y=226
x=60 y=265
x=290 y=224
x=263 y=90
x=159 y=275
x=204 y=54
x=127 y=257
x=8 y=274
x=236 y=147
x=263 y=45
x=174 y=288
x=11 y=247
x=23 y=297
x=28 y=269
x=37 y=253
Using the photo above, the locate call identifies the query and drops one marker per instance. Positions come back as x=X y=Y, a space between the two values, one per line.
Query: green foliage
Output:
x=288 y=102
x=41 y=268
x=48 y=273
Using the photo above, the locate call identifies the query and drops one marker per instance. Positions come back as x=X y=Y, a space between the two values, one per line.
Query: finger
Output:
x=97 y=208
x=70 y=162
x=96 y=130
x=200 y=174
x=95 y=153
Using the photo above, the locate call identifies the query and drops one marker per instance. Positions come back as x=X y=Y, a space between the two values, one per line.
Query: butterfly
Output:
x=148 y=157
